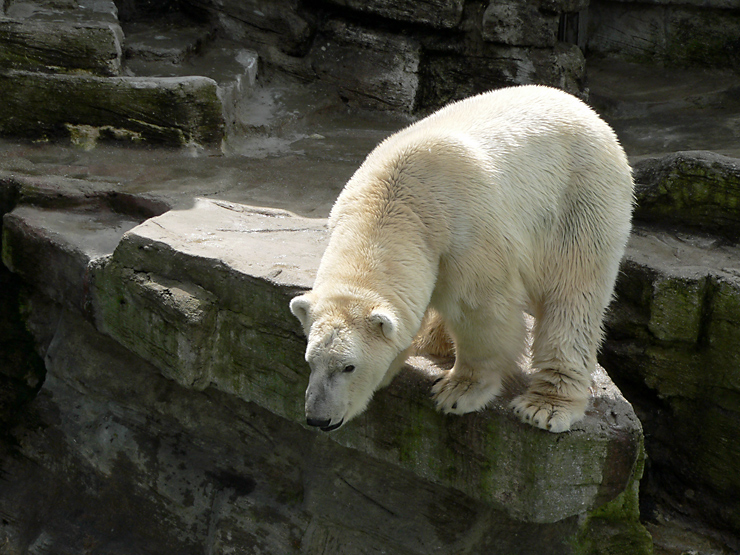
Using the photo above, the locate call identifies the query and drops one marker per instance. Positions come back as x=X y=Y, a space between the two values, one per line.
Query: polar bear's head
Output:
x=351 y=346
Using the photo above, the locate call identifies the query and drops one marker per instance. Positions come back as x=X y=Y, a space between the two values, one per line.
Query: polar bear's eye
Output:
x=349 y=368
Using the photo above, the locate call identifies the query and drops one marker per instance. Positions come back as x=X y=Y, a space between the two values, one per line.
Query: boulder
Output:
x=697 y=189
x=191 y=307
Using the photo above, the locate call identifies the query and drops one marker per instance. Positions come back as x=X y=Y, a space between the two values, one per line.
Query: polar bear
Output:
x=516 y=199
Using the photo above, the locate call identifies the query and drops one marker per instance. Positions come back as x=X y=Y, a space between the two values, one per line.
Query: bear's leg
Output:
x=433 y=337
x=488 y=344
x=566 y=337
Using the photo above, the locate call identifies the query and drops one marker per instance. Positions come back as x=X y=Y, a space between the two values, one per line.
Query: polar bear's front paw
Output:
x=549 y=412
x=454 y=395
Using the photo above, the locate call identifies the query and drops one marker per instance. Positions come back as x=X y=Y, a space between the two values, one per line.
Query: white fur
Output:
x=520 y=197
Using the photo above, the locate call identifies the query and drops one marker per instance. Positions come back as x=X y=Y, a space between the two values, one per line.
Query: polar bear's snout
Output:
x=321 y=412
x=324 y=425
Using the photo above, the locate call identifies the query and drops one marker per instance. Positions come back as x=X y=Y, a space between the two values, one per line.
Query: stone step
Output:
x=171 y=99
x=56 y=10
x=231 y=66
x=165 y=110
x=202 y=294
x=173 y=46
x=169 y=39
x=59 y=38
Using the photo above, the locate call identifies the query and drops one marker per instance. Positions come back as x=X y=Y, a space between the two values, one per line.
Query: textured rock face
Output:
x=414 y=55
x=519 y=24
x=700 y=190
x=51 y=46
x=692 y=33
x=378 y=70
x=675 y=330
x=435 y=13
x=21 y=370
x=177 y=111
x=278 y=23
x=145 y=464
x=175 y=380
x=76 y=71
x=447 y=77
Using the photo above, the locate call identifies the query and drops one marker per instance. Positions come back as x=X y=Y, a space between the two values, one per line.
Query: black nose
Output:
x=325 y=425
x=318 y=423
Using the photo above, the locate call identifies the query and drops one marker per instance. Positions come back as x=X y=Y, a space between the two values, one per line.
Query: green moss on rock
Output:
x=724 y=329
x=615 y=527
x=174 y=111
x=167 y=323
x=61 y=46
x=676 y=308
x=694 y=189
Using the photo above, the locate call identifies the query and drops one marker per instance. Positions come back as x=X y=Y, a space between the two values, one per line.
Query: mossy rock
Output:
x=697 y=189
x=672 y=343
x=253 y=348
x=173 y=111
x=61 y=46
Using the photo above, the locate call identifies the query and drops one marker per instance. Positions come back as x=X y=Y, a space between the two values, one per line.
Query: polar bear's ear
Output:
x=301 y=308
x=386 y=320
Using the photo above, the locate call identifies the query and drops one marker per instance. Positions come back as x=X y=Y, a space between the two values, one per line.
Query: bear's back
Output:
x=503 y=166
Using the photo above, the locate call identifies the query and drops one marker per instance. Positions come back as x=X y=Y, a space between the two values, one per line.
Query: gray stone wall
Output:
x=674 y=332
x=180 y=73
x=676 y=33
x=409 y=55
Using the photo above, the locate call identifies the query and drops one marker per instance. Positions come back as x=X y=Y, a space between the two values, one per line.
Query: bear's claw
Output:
x=460 y=396
x=548 y=413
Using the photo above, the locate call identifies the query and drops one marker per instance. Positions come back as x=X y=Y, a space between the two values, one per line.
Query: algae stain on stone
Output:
x=676 y=309
x=615 y=527
x=87 y=137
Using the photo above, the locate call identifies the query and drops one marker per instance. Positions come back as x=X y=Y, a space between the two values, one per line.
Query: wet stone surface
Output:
x=170 y=415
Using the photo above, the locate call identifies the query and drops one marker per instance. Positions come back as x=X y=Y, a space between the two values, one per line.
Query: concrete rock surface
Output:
x=135 y=109
x=206 y=365
x=697 y=190
x=673 y=335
